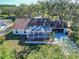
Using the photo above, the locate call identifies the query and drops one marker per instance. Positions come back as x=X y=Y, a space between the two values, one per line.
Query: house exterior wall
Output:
x=31 y=35
x=19 y=32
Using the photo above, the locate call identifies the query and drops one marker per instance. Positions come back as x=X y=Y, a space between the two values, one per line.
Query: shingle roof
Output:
x=22 y=24
x=39 y=22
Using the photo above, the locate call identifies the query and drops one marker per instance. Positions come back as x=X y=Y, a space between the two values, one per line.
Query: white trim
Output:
x=37 y=42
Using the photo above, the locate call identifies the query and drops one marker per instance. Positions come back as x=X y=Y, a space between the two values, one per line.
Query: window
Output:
x=16 y=31
x=40 y=33
x=24 y=31
x=36 y=33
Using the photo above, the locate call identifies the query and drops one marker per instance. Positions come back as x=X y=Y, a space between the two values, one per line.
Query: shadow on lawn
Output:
x=21 y=39
x=13 y=37
x=10 y=36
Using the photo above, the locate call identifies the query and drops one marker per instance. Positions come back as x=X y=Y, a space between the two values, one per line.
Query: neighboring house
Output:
x=39 y=28
x=4 y=25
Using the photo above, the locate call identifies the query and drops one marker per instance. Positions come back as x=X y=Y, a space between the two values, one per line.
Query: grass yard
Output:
x=12 y=44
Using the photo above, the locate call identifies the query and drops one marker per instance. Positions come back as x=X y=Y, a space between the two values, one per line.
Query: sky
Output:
x=17 y=2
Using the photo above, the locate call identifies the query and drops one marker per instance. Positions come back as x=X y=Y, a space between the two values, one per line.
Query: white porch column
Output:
x=33 y=34
x=27 y=35
x=65 y=30
x=38 y=34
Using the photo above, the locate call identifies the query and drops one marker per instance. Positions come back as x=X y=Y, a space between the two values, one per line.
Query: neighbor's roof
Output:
x=22 y=24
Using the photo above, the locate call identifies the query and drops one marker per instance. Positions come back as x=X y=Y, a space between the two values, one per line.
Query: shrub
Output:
x=2 y=38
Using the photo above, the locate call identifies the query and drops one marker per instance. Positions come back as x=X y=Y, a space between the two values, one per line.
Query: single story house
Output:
x=36 y=28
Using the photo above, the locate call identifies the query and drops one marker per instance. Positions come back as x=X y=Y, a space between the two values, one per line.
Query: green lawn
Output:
x=12 y=44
